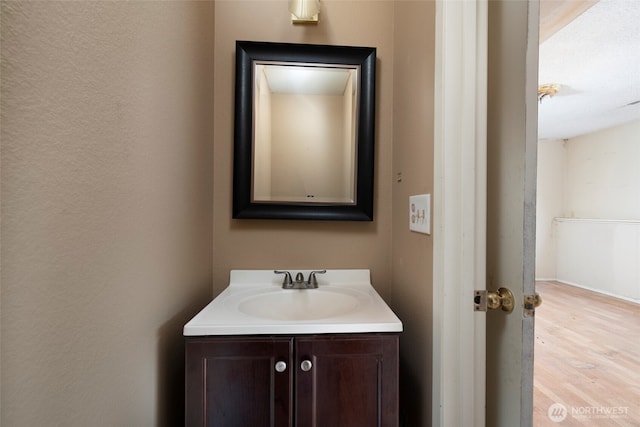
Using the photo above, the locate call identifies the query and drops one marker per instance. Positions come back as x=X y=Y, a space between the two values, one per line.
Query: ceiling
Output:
x=595 y=58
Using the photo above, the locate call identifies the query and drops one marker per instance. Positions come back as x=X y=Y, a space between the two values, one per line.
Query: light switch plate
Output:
x=420 y=213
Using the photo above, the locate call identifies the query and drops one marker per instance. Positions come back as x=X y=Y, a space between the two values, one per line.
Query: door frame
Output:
x=459 y=392
x=459 y=237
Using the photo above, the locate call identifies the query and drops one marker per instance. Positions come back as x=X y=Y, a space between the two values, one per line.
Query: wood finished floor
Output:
x=587 y=357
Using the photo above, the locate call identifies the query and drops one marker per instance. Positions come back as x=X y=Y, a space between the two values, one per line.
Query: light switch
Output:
x=420 y=213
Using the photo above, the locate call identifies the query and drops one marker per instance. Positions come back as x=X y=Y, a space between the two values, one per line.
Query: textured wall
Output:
x=549 y=204
x=107 y=194
x=608 y=263
x=590 y=176
x=413 y=174
x=602 y=174
x=106 y=207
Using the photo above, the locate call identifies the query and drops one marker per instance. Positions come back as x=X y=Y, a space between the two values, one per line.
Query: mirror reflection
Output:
x=304 y=148
x=304 y=132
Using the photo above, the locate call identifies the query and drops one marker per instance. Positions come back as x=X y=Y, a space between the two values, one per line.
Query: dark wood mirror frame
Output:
x=365 y=58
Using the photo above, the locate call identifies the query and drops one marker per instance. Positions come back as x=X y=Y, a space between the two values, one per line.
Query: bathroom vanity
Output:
x=261 y=355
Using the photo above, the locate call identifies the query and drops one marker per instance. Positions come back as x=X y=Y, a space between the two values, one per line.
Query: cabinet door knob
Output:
x=281 y=366
x=306 y=365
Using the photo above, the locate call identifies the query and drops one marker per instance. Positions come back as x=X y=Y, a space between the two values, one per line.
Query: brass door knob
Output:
x=502 y=298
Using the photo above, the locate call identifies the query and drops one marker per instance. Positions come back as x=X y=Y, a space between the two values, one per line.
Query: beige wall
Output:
x=263 y=142
x=593 y=178
x=307 y=147
x=549 y=204
x=302 y=244
x=106 y=207
x=413 y=174
x=108 y=245
x=602 y=179
x=400 y=261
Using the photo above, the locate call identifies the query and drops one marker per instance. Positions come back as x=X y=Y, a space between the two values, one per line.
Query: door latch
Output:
x=484 y=300
x=530 y=304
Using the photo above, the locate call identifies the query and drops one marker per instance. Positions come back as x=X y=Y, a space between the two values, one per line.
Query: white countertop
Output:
x=255 y=303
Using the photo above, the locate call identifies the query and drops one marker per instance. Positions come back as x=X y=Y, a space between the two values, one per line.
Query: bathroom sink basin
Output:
x=302 y=304
x=255 y=303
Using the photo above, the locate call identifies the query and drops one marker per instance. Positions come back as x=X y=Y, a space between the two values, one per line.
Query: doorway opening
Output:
x=588 y=215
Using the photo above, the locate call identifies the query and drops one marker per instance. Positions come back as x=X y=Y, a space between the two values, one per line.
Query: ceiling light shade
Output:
x=304 y=11
x=547 y=90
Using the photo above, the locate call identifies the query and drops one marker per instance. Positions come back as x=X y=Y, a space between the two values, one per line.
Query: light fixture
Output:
x=547 y=90
x=304 y=11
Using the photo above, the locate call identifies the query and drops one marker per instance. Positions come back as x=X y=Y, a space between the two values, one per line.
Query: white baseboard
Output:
x=600 y=291
x=546 y=279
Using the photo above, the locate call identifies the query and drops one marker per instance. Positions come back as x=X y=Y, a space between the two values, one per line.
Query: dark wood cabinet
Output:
x=233 y=382
x=329 y=380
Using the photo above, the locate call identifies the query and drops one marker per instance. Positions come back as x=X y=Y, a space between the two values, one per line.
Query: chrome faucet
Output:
x=287 y=283
x=300 y=283
x=313 y=282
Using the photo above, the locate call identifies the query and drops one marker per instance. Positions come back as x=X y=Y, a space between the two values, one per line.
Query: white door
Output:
x=511 y=164
x=484 y=206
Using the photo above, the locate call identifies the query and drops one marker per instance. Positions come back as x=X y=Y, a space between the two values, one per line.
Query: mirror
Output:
x=304 y=131
x=304 y=140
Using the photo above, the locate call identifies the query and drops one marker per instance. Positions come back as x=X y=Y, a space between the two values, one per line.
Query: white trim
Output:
x=546 y=279
x=598 y=220
x=459 y=212
x=587 y=288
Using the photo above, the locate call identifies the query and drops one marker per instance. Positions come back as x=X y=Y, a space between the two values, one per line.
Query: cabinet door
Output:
x=352 y=381
x=233 y=382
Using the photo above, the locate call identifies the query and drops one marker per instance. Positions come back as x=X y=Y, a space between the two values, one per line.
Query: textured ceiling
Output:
x=596 y=60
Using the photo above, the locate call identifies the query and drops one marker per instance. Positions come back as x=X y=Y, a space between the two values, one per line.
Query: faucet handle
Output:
x=312 y=277
x=288 y=281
